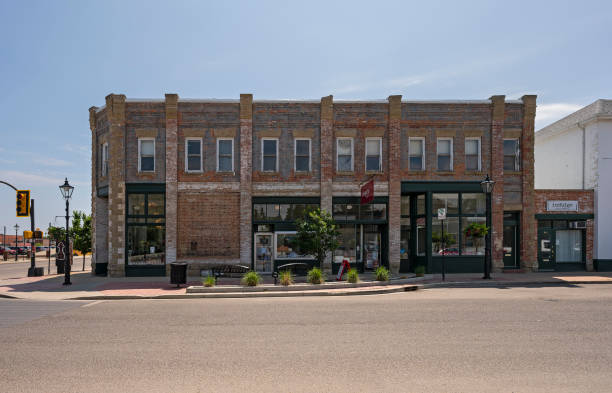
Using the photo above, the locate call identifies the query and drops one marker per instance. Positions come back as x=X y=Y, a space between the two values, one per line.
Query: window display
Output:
x=287 y=247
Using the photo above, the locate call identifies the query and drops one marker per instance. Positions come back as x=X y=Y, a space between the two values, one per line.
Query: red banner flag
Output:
x=367 y=192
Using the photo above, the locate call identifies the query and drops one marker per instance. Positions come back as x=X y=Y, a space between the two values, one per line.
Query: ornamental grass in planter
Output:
x=251 y=279
x=382 y=274
x=209 y=281
x=285 y=277
x=352 y=276
x=315 y=276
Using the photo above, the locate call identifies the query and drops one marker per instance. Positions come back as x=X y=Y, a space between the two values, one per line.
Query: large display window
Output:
x=146 y=231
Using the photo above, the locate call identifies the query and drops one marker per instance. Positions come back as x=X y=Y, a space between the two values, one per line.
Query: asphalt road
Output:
x=549 y=339
x=12 y=269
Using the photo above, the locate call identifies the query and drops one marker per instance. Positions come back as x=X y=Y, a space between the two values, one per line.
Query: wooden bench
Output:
x=223 y=270
x=299 y=266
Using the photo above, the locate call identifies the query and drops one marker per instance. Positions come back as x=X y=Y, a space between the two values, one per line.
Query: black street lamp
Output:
x=16 y=244
x=66 y=190
x=487 y=187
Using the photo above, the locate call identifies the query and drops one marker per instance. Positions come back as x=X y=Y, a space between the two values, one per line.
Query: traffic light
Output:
x=23 y=203
x=27 y=234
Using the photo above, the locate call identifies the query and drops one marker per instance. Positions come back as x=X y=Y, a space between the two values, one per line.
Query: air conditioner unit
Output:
x=578 y=225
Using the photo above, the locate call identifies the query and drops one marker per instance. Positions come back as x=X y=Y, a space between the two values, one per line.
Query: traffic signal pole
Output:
x=32 y=269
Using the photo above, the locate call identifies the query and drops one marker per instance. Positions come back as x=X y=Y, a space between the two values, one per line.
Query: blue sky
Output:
x=61 y=57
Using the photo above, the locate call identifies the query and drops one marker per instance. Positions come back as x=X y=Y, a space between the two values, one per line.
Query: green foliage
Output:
x=251 y=279
x=476 y=230
x=449 y=238
x=315 y=276
x=419 y=271
x=317 y=233
x=81 y=232
x=285 y=277
x=382 y=274
x=209 y=281
x=57 y=234
x=352 y=276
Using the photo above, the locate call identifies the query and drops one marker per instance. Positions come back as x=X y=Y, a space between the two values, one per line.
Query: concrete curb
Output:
x=493 y=284
x=239 y=295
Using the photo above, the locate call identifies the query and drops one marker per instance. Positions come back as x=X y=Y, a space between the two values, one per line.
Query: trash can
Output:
x=178 y=273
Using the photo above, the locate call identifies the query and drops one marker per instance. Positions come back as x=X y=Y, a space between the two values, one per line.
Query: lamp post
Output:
x=16 y=244
x=66 y=190
x=487 y=187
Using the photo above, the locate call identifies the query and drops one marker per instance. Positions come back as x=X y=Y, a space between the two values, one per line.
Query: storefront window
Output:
x=405 y=238
x=568 y=245
x=146 y=232
x=351 y=212
x=345 y=212
x=421 y=236
x=473 y=204
x=448 y=201
x=421 y=204
x=348 y=247
x=449 y=243
x=472 y=245
x=287 y=246
x=280 y=212
x=259 y=212
x=405 y=209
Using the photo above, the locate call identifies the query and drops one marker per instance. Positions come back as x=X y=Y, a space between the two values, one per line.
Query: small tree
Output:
x=81 y=233
x=58 y=234
x=317 y=234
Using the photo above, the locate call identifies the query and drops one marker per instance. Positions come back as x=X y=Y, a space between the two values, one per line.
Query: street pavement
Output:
x=526 y=339
x=11 y=269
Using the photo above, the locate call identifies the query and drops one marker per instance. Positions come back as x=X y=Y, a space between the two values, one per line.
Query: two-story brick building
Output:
x=210 y=181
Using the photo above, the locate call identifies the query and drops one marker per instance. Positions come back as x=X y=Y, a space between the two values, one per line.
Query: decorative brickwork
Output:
x=395 y=184
x=529 y=229
x=497 y=174
x=246 y=170
x=171 y=176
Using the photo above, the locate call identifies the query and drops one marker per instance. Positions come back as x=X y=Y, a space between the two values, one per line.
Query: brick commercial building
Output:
x=222 y=181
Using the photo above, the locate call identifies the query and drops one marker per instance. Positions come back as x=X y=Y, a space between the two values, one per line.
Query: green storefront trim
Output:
x=585 y=216
x=440 y=186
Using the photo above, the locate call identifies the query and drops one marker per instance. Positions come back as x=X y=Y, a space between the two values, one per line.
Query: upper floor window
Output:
x=344 y=154
x=225 y=155
x=416 y=153
x=302 y=155
x=146 y=155
x=472 y=154
x=511 y=155
x=105 y=159
x=193 y=154
x=445 y=154
x=373 y=154
x=269 y=155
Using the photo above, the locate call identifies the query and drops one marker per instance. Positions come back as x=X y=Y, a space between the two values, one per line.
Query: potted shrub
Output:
x=285 y=277
x=209 y=281
x=419 y=271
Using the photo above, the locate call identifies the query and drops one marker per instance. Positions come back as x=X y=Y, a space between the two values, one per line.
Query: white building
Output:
x=576 y=153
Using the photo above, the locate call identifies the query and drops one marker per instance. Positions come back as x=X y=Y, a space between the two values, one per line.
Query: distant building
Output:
x=222 y=181
x=575 y=153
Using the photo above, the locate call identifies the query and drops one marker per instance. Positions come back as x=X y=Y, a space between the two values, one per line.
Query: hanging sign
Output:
x=562 y=206
x=441 y=213
x=343 y=268
x=367 y=192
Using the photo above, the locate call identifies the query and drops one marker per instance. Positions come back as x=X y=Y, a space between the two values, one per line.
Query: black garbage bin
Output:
x=178 y=273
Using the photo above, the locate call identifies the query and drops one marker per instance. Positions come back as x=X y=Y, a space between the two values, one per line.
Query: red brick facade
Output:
x=209 y=213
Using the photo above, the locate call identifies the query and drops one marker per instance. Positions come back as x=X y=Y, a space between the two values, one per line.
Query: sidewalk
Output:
x=86 y=286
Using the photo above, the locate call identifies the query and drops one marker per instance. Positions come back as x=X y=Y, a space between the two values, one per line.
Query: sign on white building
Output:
x=562 y=206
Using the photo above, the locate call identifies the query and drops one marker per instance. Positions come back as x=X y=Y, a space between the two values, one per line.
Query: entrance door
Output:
x=546 y=249
x=371 y=247
x=510 y=251
x=264 y=246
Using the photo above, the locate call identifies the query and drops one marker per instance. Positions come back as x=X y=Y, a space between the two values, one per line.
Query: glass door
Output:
x=371 y=247
x=263 y=252
x=546 y=249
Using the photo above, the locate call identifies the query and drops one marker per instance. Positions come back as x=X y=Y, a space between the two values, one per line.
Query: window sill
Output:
x=374 y=172
x=474 y=172
x=194 y=172
x=232 y=173
x=512 y=173
x=445 y=173
x=419 y=171
x=345 y=173
x=146 y=172
x=268 y=173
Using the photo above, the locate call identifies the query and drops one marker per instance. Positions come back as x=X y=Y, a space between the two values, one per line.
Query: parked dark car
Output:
x=10 y=250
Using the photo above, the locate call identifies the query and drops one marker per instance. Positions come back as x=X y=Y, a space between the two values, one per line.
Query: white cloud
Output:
x=549 y=113
x=5 y=161
x=52 y=161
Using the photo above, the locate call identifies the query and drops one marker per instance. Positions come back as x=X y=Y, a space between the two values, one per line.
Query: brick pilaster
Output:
x=94 y=182
x=115 y=104
x=395 y=185
x=246 y=178
x=497 y=174
x=327 y=161
x=171 y=177
x=529 y=231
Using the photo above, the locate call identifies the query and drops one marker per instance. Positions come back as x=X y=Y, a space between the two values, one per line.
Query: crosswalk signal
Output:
x=23 y=203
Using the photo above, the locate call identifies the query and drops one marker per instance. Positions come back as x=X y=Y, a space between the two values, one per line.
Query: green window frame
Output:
x=145 y=233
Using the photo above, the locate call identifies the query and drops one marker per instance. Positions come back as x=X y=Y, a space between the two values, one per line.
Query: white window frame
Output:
x=422 y=139
x=187 y=155
x=139 y=156
x=479 y=152
x=309 y=154
x=365 y=156
x=225 y=139
x=517 y=154
x=104 y=159
x=352 y=153
x=450 y=151
x=262 y=154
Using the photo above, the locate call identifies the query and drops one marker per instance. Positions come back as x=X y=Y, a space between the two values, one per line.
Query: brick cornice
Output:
x=498 y=107
x=246 y=106
x=327 y=108
x=115 y=105
x=172 y=106
x=395 y=107
x=92 y=117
